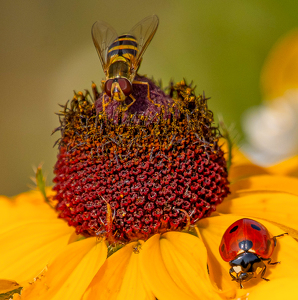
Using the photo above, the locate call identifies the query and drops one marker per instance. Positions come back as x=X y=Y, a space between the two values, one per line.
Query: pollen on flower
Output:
x=156 y=164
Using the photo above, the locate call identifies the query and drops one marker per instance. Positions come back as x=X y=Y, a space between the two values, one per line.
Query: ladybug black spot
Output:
x=234 y=229
x=255 y=227
x=245 y=245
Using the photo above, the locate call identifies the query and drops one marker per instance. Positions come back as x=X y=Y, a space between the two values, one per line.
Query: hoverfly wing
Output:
x=143 y=32
x=103 y=36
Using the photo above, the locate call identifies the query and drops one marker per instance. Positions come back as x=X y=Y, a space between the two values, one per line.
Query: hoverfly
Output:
x=121 y=57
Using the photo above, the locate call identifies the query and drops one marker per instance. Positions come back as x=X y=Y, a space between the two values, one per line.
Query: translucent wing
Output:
x=143 y=32
x=103 y=36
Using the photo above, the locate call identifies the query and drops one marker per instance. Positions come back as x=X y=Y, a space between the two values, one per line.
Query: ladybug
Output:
x=246 y=244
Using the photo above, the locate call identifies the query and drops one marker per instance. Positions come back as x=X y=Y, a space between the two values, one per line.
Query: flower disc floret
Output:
x=128 y=172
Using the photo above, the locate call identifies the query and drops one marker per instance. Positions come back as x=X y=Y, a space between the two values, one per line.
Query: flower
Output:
x=155 y=163
x=51 y=261
x=271 y=128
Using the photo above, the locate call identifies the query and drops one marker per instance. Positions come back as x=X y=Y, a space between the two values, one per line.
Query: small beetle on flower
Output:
x=246 y=244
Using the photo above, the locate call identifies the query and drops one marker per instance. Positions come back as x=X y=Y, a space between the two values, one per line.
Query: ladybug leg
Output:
x=274 y=238
x=236 y=278
x=233 y=277
x=263 y=273
x=271 y=263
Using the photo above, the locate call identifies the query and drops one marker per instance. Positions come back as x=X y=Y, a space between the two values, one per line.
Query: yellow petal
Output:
x=242 y=171
x=27 y=247
x=119 y=277
x=70 y=273
x=279 y=208
x=238 y=157
x=288 y=167
x=34 y=291
x=26 y=206
x=264 y=183
x=133 y=286
x=7 y=285
x=286 y=251
x=241 y=166
x=185 y=258
x=283 y=288
x=155 y=273
x=211 y=230
x=280 y=71
x=174 y=266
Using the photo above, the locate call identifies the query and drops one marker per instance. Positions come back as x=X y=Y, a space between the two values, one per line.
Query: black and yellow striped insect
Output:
x=121 y=56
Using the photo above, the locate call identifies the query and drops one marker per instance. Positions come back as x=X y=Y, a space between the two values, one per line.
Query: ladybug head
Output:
x=245 y=276
x=246 y=266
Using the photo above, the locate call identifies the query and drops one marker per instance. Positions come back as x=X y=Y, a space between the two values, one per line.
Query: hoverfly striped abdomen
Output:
x=125 y=46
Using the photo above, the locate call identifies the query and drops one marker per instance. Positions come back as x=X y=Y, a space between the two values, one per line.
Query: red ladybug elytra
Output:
x=246 y=244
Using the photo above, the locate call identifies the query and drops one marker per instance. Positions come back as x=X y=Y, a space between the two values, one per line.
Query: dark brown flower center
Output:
x=129 y=172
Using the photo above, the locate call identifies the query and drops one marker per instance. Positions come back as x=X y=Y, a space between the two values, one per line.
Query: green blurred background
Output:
x=47 y=52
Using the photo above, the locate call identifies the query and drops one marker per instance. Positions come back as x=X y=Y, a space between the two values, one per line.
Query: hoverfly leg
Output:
x=104 y=105
x=148 y=92
x=130 y=104
x=124 y=107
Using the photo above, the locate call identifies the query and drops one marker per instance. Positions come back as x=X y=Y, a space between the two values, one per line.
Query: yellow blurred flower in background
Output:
x=272 y=127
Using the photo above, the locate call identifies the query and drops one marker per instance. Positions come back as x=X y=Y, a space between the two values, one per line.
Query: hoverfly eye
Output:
x=125 y=86
x=108 y=87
